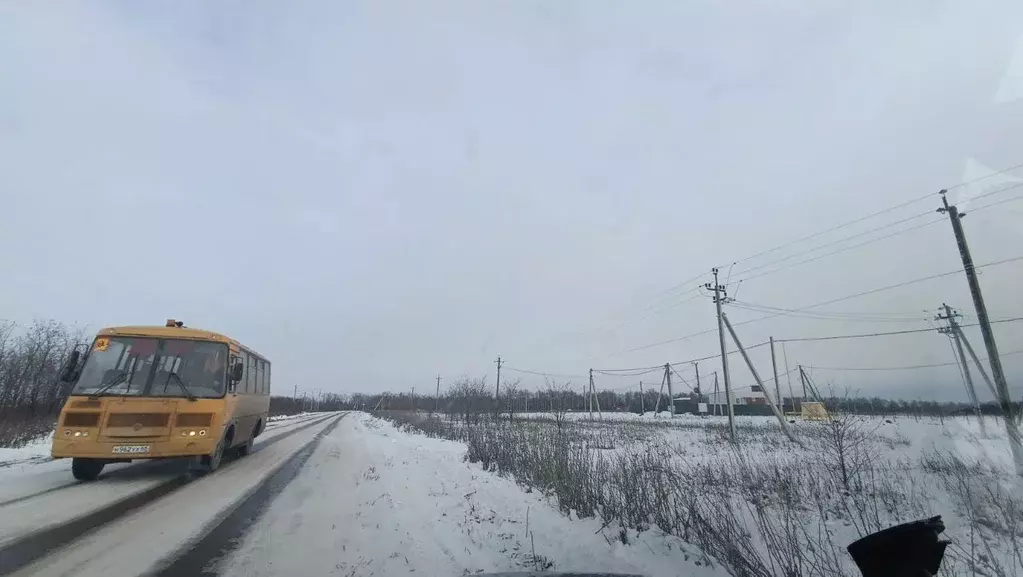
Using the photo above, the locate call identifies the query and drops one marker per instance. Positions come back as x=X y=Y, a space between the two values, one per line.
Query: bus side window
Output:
x=262 y=377
x=243 y=386
x=250 y=381
x=258 y=388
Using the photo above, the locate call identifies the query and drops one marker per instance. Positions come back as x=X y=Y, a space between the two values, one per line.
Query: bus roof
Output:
x=174 y=333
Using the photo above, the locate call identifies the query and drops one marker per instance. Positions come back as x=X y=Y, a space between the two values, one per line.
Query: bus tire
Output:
x=212 y=461
x=246 y=447
x=86 y=469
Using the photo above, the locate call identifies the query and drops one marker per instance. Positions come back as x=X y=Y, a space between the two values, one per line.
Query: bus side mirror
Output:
x=236 y=372
x=69 y=372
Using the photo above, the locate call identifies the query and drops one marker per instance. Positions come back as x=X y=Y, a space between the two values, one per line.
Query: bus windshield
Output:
x=150 y=367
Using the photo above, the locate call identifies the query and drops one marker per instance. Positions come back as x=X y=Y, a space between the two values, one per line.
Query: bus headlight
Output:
x=78 y=433
x=191 y=433
x=67 y=432
x=202 y=433
x=85 y=433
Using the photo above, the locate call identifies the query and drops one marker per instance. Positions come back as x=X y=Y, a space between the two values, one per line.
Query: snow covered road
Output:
x=376 y=501
x=342 y=495
x=38 y=523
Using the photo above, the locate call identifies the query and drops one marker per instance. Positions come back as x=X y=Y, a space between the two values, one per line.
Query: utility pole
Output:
x=660 y=393
x=1004 y=400
x=295 y=394
x=642 y=403
x=696 y=368
x=788 y=376
x=437 y=405
x=595 y=398
x=717 y=401
x=952 y=330
x=497 y=391
x=413 y=398
x=756 y=375
x=802 y=381
x=589 y=395
x=671 y=394
x=774 y=367
x=720 y=294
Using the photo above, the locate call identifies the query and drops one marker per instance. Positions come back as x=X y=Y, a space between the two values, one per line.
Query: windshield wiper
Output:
x=184 y=388
x=118 y=379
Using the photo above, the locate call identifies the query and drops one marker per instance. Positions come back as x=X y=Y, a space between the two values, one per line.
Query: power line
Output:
x=885 y=334
x=825 y=315
x=878 y=213
x=820 y=304
x=839 y=241
x=542 y=374
x=906 y=368
x=843 y=249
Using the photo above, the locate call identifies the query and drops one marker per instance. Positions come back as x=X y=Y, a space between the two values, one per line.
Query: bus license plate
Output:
x=131 y=449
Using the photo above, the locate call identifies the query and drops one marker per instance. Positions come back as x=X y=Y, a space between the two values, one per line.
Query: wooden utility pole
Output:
x=720 y=295
x=753 y=369
x=774 y=367
x=1003 y=398
x=642 y=403
x=437 y=404
x=413 y=398
x=952 y=330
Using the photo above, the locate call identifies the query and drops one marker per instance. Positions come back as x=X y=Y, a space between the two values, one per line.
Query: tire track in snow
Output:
x=223 y=538
x=34 y=546
x=150 y=467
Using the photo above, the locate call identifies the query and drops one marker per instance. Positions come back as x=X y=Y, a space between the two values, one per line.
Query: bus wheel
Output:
x=212 y=462
x=246 y=448
x=86 y=469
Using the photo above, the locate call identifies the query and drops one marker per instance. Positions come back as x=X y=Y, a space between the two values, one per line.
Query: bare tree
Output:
x=509 y=398
x=471 y=398
x=559 y=397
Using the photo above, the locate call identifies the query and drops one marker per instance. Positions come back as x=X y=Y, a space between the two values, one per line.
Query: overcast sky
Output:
x=372 y=193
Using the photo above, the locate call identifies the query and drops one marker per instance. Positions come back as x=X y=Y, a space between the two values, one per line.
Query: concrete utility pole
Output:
x=671 y=393
x=436 y=407
x=788 y=376
x=1003 y=398
x=660 y=393
x=497 y=391
x=589 y=395
x=717 y=402
x=696 y=369
x=720 y=294
x=777 y=387
x=756 y=375
x=642 y=403
x=952 y=330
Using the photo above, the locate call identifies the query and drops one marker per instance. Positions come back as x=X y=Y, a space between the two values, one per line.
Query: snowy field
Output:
x=628 y=494
x=841 y=480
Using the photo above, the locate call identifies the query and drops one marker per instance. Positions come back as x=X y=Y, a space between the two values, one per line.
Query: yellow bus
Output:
x=148 y=392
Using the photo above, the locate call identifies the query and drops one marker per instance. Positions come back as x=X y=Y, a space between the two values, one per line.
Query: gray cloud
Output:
x=372 y=193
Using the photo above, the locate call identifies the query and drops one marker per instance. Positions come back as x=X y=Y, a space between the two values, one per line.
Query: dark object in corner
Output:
x=907 y=550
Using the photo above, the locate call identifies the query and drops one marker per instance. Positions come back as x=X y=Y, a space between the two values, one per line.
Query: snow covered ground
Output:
x=377 y=501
